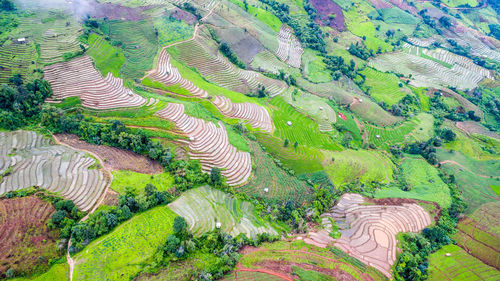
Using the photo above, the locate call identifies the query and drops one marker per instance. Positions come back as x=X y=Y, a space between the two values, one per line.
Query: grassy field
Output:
x=473 y=177
x=17 y=59
x=138 y=42
x=106 y=57
x=358 y=23
x=301 y=159
x=263 y=15
x=59 y=272
x=119 y=254
x=459 y=266
x=204 y=206
x=281 y=186
x=123 y=179
x=414 y=129
x=303 y=130
x=423 y=182
x=479 y=233
x=314 y=67
x=456 y=3
x=383 y=87
x=171 y=30
x=363 y=165
x=305 y=256
x=394 y=15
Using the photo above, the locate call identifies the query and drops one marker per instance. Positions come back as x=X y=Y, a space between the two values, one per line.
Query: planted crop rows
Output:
x=204 y=207
x=27 y=159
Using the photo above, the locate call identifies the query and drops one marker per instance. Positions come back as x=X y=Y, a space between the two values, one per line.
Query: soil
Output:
x=327 y=7
x=26 y=243
x=111 y=198
x=471 y=127
x=401 y=201
x=109 y=10
x=114 y=158
x=285 y=267
x=182 y=15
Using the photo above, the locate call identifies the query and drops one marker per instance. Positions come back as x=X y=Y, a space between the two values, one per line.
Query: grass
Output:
x=359 y=24
x=16 y=59
x=424 y=99
x=68 y=103
x=301 y=159
x=280 y=184
x=473 y=146
x=58 y=271
x=263 y=15
x=138 y=42
x=476 y=189
x=106 y=57
x=478 y=233
x=171 y=30
x=314 y=67
x=395 y=15
x=383 y=87
x=202 y=207
x=423 y=182
x=456 y=3
x=120 y=254
x=123 y=179
x=310 y=275
x=459 y=266
x=364 y=165
x=496 y=189
x=303 y=130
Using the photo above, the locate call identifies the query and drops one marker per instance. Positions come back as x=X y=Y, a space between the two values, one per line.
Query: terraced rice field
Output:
x=171 y=30
x=256 y=115
x=314 y=67
x=312 y=106
x=16 y=59
x=302 y=159
x=53 y=35
x=302 y=129
x=139 y=45
x=280 y=185
x=78 y=77
x=479 y=234
x=204 y=207
x=114 y=158
x=383 y=87
x=423 y=182
x=369 y=231
x=209 y=143
x=119 y=254
x=217 y=69
x=27 y=243
x=412 y=130
x=473 y=177
x=282 y=257
x=250 y=275
x=289 y=48
x=59 y=271
x=125 y=179
x=353 y=165
x=35 y=162
x=106 y=57
x=459 y=266
x=431 y=72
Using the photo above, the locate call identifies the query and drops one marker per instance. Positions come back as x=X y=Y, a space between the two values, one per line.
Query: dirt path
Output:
x=71 y=262
x=465 y=168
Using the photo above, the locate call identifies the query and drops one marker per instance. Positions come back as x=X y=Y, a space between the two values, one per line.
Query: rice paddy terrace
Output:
x=206 y=209
x=325 y=131
x=29 y=159
x=369 y=231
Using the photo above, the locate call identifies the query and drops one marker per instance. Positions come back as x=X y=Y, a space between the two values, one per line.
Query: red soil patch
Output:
x=182 y=15
x=401 y=201
x=108 y=10
x=114 y=158
x=326 y=8
x=342 y=115
x=286 y=268
x=380 y=4
x=26 y=243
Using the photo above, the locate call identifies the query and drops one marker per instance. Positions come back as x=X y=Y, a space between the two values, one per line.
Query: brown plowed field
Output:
x=26 y=245
x=326 y=8
x=114 y=158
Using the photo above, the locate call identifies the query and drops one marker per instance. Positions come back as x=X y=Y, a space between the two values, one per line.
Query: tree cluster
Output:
x=106 y=219
x=7 y=5
x=20 y=104
x=360 y=51
x=226 y=51
x=337 y=67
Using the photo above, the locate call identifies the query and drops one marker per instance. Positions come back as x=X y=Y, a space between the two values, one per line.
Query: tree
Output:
x=295 y=144
x=215 y=176
x=448 y=135
x=6 y=5
x=58 y=217
x=286 y=143
x=180 y=225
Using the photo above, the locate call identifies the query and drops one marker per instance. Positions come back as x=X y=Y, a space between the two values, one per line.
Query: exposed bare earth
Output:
x=26 y=244
x=471 y=127
x=114 y=158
